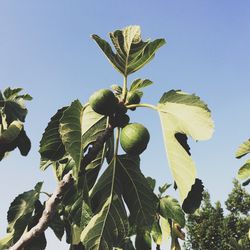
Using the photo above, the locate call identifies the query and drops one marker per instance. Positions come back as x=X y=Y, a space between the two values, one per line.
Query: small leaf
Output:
x=183 y=114
x=243 y=149
x=164 y=188
x=170 y=209
x=140 y=83
x=244 y=171
x=117 y=89
x=51 y=146
x=11 y=93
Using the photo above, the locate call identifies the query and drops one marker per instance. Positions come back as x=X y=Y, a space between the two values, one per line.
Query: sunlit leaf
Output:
x=183 y=115
x=243 y=149
x=244 y=171
x=171 y=209
x=156 y=233
x=131 y=52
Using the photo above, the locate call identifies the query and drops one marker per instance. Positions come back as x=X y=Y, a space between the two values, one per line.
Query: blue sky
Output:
x=45 y=47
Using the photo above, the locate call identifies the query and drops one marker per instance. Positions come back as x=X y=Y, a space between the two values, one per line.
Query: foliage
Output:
x=12 y=118
x=102 y=211
x=212 y=228
x=244 y=171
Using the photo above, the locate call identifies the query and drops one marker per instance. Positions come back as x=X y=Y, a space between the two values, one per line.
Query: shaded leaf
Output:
x=171 y=209
x=131 y=52
x=183 y=115
x=11 y=133
x=194 y=198
x=243 y=149
x=108 y=227
x=20 y=211
x=51 y=146
x=38 y=243
x=57 y=225
x=139 y=197
x=93 y=125
x=151 y=182
x=23 y=143
x=71 y=133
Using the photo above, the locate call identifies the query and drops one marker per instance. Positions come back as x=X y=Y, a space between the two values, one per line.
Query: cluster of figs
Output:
x=134 y=136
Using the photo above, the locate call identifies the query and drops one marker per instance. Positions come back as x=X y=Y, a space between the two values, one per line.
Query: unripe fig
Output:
x=103 y=102
x=143 y=241
x=134 y=138
x=133 y=98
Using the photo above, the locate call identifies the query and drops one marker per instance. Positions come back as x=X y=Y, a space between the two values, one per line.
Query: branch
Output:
x=62 y=187
x=48 y=212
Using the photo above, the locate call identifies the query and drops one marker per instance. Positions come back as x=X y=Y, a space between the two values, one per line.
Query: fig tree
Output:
x=134 y=138
x=103 y=102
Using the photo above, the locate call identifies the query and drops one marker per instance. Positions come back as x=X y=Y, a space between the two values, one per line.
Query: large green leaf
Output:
x=71 y=133
x=183 y=115
x=108 y=228
x=171 y=209
x=93 y=125
x=136 y=191
x=110 y=225
x=244 y=171
x=20 y=212
x=243 y=149
x=51 y=146
x=131 y=52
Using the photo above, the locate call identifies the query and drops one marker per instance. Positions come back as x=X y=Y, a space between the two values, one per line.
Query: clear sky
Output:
x=45 y=47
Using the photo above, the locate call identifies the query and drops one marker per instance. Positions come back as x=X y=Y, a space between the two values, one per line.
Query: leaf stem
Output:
x=124 y=89
x=143 y=105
